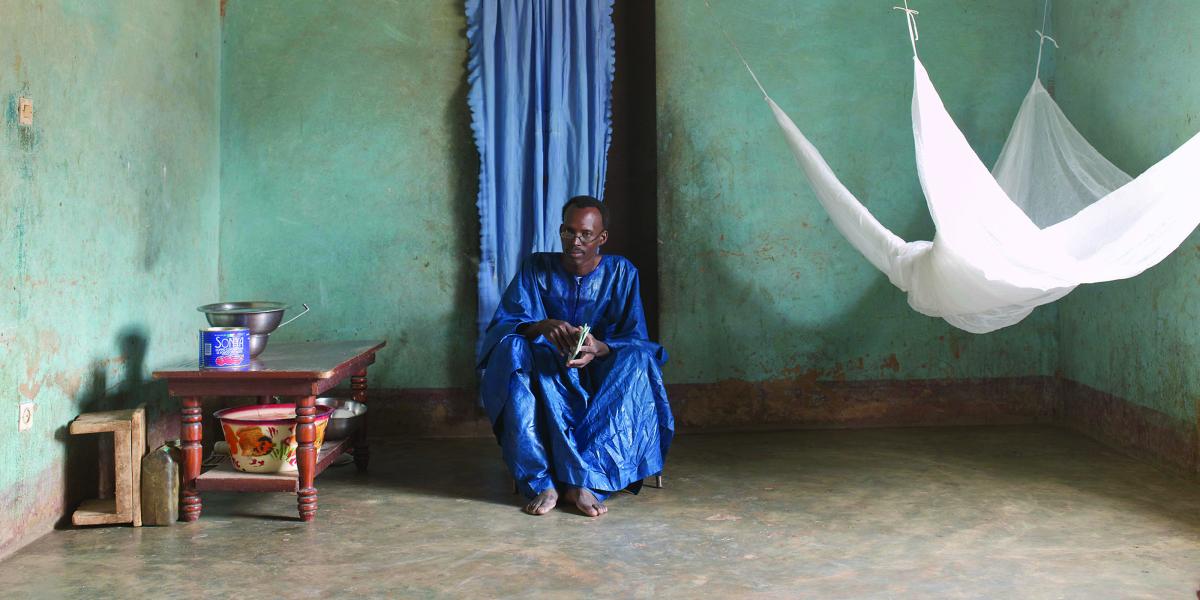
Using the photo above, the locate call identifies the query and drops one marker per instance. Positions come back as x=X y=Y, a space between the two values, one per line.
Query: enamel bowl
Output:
x=262 y=437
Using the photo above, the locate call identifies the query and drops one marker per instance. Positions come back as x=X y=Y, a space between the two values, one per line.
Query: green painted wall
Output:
x=349 y=177
x=108 y=219
x=348 y=182
x=756 y=282
x=1127 y=77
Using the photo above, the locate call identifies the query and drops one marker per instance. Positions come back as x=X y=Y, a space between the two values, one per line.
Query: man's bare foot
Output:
x=585 y=501
x=542 y=503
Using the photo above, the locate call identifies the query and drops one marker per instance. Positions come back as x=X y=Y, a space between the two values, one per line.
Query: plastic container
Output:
x=160 y=485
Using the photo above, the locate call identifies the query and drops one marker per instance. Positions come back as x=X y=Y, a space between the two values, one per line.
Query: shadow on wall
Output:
x=825 y=351
x=88 y=468
x=862 y=321
x=463 y=183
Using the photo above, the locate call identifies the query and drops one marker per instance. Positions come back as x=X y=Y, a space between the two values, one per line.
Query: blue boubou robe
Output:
x=605 y=426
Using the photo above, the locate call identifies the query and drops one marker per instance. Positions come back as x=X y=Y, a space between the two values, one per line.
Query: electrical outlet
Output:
x=25 y=417
x=25 y=111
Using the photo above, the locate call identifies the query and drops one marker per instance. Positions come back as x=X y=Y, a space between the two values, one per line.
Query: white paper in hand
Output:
x=583 y=333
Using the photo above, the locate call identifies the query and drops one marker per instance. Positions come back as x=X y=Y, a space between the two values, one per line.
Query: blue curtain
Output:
x=540 y=75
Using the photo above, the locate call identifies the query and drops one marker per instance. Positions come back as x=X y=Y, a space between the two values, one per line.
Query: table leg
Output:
x=306 y=456
x=192 y=434
x=358 y=388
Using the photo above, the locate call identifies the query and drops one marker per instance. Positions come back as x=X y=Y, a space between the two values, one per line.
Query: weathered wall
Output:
x=348 y=182
x=344 y=132
x=1127 y=78
x=108 y=222
x=756 y=283
x=349 y=177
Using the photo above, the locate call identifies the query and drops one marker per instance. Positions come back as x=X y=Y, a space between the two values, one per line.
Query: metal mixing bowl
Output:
x=261 y=318
x=340 y=428
x=258 y=343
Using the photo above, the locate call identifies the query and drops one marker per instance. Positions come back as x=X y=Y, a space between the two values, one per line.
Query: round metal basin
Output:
x=345 y=418
x=261 y=318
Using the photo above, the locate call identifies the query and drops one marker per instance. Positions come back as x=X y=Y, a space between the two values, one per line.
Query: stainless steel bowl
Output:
x=340 y=428
x=261 y=318
x=258 y=343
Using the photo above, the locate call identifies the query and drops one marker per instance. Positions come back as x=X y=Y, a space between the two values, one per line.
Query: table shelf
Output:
x=225 y=478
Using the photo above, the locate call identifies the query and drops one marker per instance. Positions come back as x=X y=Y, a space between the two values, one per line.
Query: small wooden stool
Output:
x=129 y=444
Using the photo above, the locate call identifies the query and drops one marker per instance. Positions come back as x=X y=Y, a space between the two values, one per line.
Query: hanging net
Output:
x=1053 y=215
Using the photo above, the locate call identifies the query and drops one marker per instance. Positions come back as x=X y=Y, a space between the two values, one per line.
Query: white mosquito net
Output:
x=1053 y=215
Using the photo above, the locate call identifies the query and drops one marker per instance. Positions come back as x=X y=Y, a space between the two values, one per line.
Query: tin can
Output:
x=223 y=347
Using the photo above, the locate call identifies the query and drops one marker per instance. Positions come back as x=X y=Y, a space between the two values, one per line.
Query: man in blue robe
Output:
x=588 y=425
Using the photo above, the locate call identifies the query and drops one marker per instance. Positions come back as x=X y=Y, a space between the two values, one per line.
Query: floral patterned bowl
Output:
x=262 y=437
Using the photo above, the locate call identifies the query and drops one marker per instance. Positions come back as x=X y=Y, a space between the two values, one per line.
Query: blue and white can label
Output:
x=222 y=347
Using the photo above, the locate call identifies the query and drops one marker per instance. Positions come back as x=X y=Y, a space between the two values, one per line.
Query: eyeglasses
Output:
x=569 y=238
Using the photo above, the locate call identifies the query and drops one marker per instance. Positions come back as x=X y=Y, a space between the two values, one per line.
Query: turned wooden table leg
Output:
x=306 y=457
x=358 y=388
x=191 y=433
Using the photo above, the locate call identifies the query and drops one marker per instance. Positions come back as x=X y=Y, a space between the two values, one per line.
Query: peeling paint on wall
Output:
x=757 y=284
x=349 y=175
x=1127 y=79
x=108 y=225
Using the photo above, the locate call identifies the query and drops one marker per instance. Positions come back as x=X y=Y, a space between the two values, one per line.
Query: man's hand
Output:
x=560 y=333
x=592 y=348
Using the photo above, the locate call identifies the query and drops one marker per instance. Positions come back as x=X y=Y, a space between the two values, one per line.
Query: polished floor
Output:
x=1004 y=512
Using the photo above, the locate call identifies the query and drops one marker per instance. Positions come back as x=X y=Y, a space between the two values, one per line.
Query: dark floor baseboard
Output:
x=741 y=405
x=804 y=404
x=427 y=412
x=1137 y=430
x=792 y=404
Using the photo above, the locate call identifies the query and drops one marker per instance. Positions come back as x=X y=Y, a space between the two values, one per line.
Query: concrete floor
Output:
x=1005 y=512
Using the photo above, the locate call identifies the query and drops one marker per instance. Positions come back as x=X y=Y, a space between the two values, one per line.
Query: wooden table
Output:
x=303 y=370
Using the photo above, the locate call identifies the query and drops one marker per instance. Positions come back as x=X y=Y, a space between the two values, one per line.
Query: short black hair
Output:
x=587 y=202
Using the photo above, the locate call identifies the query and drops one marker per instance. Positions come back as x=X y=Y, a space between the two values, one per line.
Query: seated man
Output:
x=584 y=426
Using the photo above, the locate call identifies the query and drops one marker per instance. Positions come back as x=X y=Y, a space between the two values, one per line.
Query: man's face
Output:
x=582 y=234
